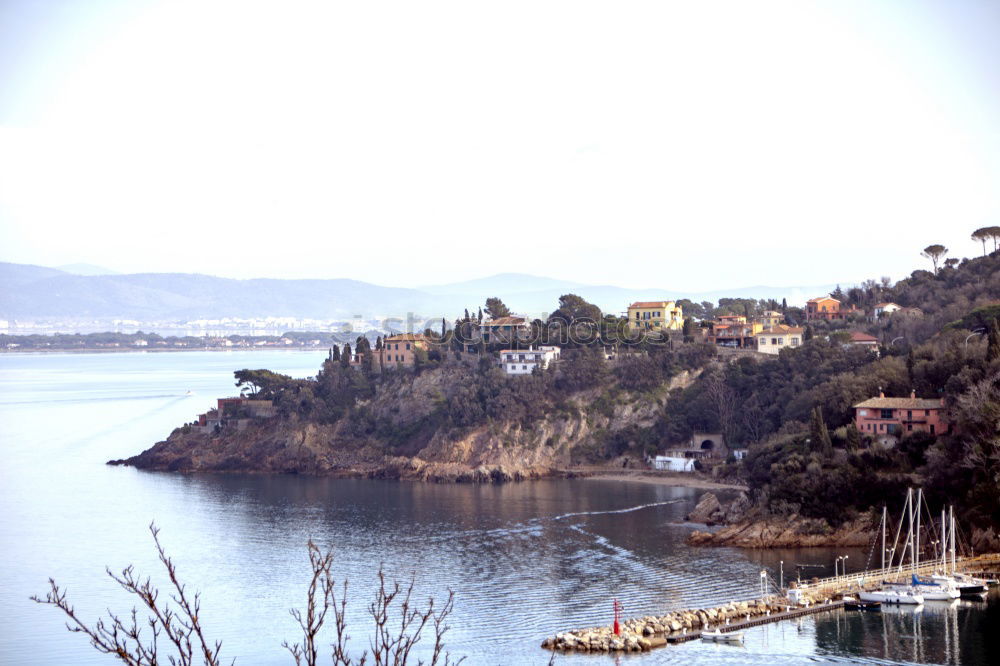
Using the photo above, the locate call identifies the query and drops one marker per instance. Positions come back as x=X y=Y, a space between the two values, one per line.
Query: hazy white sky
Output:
x=684 y=145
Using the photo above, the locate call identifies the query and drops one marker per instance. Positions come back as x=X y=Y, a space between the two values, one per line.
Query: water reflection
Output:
x=526 y=560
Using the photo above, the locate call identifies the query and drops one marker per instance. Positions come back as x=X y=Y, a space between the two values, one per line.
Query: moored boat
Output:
x=850 y=603
x=722 y=637
x=893 y=595
x=939 y=588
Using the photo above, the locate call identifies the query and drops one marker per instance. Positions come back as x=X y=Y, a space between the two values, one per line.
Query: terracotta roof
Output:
x=900 y=403
x=505 y=321
x=651 y=304
x=783 y=329
x=822 y=298
x=402 y=337
x=858 y=336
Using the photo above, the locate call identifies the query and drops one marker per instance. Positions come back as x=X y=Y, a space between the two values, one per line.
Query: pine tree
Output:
x=993 y=342
x=335 y=353
x=345 y=355
x=808 y=335
x=784 y=306
x=688 y=329
x=820 y=441
x=444 y=328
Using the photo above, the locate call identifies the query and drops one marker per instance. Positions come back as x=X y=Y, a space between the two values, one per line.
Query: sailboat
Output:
x=891 y=593
x=968 y=586
x=939 y=588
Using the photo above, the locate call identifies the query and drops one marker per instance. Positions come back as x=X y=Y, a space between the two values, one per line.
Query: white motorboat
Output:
x=893 y=595
x=723 y=637
x=970 y=585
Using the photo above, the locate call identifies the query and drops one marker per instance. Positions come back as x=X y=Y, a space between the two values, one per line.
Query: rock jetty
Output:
x=645 y=633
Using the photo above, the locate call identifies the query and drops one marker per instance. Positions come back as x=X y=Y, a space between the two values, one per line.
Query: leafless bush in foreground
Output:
x=172 y=633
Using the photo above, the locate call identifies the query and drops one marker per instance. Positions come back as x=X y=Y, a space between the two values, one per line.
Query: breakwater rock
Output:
x=645 y=633
x=790 y=532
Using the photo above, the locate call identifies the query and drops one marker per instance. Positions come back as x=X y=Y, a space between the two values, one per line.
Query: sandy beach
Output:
x=659 y=478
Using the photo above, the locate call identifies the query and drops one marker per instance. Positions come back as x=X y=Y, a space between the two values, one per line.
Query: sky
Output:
x=681 y=145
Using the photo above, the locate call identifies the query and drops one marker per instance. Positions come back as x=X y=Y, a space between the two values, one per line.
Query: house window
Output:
x=885 y=413
x=407 y=345
x=763 y=341
x=909 y=414
x=781 y=341
x=524 y=367
x=863 y=412
x=774 y=341
x=932 y=428
x=795 y=342
x=909 y=427
x=927 y=412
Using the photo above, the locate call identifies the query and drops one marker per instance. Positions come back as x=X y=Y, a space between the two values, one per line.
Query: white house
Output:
x=524 y=361
x=773 y=340
x=672 y=464
x=883 y=310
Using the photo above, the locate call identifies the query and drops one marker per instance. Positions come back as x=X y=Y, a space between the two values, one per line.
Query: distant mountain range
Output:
x=38 y=292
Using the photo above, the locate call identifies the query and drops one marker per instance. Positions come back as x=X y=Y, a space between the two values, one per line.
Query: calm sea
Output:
x=525 y=560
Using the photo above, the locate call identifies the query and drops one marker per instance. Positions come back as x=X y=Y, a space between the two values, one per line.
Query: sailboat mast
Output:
x=944 y=544
x=883 y=534
x=951 y=510
x=916 y=533
x=909 y=525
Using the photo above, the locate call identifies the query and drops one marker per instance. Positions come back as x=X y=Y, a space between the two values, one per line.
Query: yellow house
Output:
x=655 y=316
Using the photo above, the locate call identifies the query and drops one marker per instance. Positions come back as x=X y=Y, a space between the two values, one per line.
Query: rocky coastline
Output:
x=417 y=448
x=746 y=526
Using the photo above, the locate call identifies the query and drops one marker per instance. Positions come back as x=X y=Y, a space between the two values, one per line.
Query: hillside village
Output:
x=852 y=396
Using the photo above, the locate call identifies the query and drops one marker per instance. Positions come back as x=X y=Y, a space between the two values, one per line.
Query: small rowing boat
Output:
x=722 y=637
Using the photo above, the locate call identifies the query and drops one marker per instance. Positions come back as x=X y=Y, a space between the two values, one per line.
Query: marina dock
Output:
x=816 y=596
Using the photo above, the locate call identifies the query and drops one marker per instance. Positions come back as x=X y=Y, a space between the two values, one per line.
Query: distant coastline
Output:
x=111 y=341
x=155 y=350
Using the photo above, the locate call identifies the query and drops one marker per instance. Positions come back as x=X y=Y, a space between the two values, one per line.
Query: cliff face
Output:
x=792 y=532
x=491 y=452
x=745 y=528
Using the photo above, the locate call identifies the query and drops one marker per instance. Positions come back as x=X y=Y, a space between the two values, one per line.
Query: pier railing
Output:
x=875 y=576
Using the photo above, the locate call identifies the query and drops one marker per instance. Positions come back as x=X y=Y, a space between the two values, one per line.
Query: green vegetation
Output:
x=793 y=412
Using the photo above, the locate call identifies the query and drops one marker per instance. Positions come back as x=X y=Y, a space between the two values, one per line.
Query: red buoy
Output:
x=618 y=608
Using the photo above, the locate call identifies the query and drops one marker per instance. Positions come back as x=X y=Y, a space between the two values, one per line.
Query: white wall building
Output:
x=780 y=337
x=672 y=464
x=883 y=310
x=524 y=361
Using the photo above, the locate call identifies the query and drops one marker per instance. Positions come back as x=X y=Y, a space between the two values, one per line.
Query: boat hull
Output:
x=890 y=596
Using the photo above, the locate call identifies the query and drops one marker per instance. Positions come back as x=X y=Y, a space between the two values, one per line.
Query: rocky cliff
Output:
x=747 y=526
x=491 y=452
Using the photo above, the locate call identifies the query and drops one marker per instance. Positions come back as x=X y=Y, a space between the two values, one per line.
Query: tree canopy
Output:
x=496 y=308
x=934 y=253
x=573 y=308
